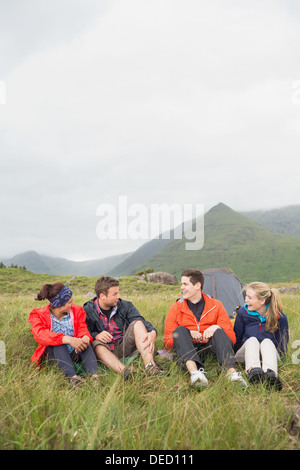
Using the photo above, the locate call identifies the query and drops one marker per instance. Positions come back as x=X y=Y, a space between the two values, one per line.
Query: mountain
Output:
x=37 y=263
x=140 y=256
x=285 y=220
x=231 y=240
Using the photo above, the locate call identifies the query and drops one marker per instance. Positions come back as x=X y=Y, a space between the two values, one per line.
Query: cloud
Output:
x=163 y=101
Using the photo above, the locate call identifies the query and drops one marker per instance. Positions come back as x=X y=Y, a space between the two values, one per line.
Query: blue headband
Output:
x=61 y=298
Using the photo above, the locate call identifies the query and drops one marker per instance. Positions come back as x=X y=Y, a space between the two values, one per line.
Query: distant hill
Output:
x=140 y=256
x=231 y=240
x=285 y=220
x=37 y=263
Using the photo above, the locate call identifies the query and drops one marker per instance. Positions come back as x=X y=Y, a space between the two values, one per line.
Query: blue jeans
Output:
x=61 y=356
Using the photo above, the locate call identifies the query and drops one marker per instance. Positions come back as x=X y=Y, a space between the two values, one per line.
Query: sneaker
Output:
x=237 y=377
x=272 y=380
x=198 y=378
x=256 y=375
x=154 y=369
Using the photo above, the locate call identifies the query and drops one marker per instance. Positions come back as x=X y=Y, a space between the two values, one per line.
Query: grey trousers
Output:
x=219 y=345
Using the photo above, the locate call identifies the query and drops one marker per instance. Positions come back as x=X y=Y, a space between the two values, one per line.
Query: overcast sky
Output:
x=161 y=101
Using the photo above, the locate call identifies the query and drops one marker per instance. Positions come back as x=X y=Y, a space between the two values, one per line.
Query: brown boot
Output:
x=154 y=369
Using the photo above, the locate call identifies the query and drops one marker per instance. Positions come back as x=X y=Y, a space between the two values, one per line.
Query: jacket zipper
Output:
x=202 y=316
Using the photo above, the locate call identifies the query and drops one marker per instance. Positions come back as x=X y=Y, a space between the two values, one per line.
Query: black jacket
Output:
x=126 y=314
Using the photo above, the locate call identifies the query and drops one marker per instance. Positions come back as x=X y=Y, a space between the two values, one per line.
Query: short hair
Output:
x=104 y=283
x=195 y=276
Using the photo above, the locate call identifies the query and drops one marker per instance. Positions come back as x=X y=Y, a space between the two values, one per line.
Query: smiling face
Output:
x=190 y=291
x=254 y=303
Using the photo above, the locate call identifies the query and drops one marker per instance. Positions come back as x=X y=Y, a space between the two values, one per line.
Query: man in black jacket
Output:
x=118 y=329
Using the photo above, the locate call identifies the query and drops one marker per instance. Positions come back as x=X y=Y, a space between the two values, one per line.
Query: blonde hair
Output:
x=272 y=297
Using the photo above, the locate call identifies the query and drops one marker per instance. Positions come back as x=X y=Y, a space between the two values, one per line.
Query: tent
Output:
x=222 y=284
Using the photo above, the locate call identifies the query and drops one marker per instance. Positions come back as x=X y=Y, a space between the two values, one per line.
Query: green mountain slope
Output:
x=37 y=263
x=285 y=220
x=234 y=241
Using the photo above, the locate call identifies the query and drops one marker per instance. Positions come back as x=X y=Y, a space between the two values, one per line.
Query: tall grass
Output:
x=39 y=410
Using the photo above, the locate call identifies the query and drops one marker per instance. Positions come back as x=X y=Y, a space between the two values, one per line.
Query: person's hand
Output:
x=209 y=332
x=104 y=336
x=149 y=341
x=86 y=340
x=196 y=335
x=79 y=344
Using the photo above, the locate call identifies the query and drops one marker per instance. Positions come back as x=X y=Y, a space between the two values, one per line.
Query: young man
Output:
x=196 y=325
x=118 y=329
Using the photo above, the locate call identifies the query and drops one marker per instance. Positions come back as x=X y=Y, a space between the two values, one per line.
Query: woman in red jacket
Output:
x=61 y=332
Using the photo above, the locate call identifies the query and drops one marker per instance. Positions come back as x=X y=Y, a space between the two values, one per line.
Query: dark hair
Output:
x=104 y=283
x=48 y=291
x=195 y=276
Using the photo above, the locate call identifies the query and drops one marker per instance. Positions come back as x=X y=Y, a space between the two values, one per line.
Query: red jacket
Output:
x=214 y=313
x=41 y=326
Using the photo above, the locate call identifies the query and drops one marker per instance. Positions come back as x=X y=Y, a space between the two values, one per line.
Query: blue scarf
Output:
x=61 y=298
x=261 y=317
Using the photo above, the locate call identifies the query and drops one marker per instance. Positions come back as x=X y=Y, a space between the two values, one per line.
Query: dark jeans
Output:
x=60 y=354
x=219 y=345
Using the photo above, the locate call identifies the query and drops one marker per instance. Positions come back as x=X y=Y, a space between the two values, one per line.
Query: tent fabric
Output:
x=223 y=285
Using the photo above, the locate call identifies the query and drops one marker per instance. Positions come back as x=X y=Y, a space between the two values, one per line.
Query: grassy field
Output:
x=39 y=410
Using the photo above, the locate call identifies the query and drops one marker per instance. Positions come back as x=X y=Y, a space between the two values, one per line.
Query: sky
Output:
x=158 y=102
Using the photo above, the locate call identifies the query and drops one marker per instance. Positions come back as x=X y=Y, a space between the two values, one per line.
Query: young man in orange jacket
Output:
x=196 y=325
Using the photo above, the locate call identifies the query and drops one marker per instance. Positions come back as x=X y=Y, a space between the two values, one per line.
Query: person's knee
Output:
x=220 y=334
x=101 y=350
x=56 y=351
x=179 y=331
x=137 y=324
x=252 y=341
x=267 y=342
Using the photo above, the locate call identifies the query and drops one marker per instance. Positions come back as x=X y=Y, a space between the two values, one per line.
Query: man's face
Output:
x=190 y=291
x=111 y=299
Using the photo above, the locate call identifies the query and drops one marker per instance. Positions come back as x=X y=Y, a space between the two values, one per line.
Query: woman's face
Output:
x=67 y=307
x=254 y=304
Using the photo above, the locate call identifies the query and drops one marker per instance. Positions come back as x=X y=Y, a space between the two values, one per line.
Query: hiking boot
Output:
x=95 y=379
x=272 y=380
x=237 y=378
x=154 y=369
x=128 y=373
x=76 y=381
x=198 y=379
x=256 y=375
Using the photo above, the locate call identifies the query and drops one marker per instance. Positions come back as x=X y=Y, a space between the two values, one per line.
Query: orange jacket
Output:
x=214 y=313
x=40 y=321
